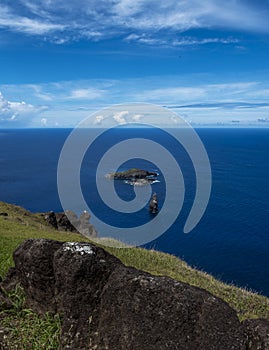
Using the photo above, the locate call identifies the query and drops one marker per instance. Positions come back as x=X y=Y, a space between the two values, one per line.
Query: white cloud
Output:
x=175 y=120
x=61 y=21
x=239 y=86
x=26 y=25
x=259 y=93
x=44 y=121
x=193 y=41
x=98 y=120
x=38 y=91
x=183 y=41
x=120 y=117
x=89 y=94
x=18 y=112
x=219 y=99
x=137 y=118
x=179 y=93
x=204 y=93
x=62 y=91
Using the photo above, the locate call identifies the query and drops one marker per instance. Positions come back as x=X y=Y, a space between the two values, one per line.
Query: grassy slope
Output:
x=20 y=225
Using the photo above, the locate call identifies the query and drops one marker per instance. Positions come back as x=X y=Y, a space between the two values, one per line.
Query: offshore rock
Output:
x=132 y=174
x=134 y=177
x=153 y=205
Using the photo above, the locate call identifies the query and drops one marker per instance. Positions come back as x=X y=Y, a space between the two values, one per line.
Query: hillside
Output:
x=17 y=224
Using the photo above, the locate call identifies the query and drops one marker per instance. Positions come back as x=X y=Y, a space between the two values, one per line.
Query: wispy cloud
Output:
x=146 y=21
x=39 y=93
x=62 y=91
x=164 y=90
x=198 y=93
x=172 y=42
x=181 y=93
x=88 y=94
x=9 y=20
x=223 y=105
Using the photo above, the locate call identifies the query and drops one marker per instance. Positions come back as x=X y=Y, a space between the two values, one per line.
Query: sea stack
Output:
x=153 y=205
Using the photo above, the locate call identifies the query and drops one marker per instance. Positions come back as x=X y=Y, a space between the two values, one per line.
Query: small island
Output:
x=134 y=176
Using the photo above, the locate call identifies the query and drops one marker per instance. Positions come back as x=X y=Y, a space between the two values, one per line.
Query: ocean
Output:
x=231 y=241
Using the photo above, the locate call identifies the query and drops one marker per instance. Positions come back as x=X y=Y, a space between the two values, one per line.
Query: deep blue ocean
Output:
x=232 y=239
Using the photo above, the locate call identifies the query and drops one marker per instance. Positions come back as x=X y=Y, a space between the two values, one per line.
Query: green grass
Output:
x=21 y=225
x=26 y=330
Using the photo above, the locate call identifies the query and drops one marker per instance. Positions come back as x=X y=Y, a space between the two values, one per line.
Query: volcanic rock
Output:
x=106 y=305
x=69 y=221
x=257 y=332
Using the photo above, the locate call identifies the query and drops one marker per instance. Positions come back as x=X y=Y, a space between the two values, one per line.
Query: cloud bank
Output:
x=68 y=102
x=145 y=21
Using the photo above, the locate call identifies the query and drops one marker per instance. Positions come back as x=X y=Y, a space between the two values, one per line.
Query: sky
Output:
x=61 y=61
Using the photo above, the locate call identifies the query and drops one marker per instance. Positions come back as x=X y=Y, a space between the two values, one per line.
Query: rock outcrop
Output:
x=51 y=219
x=106 y=305
x=69 y=221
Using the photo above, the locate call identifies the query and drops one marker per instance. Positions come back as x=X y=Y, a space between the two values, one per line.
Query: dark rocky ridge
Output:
x=106 y=305
x=69 y=221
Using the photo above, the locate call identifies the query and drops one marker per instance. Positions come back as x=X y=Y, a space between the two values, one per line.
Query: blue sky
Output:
x=63 y=60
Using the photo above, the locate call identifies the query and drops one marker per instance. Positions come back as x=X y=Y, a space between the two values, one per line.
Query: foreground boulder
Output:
x=106 y=305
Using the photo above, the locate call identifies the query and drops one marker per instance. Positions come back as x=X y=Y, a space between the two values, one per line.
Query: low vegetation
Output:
x=25 y=327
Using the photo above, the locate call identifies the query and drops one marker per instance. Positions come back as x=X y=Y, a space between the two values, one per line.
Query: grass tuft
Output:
x=26 y=330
